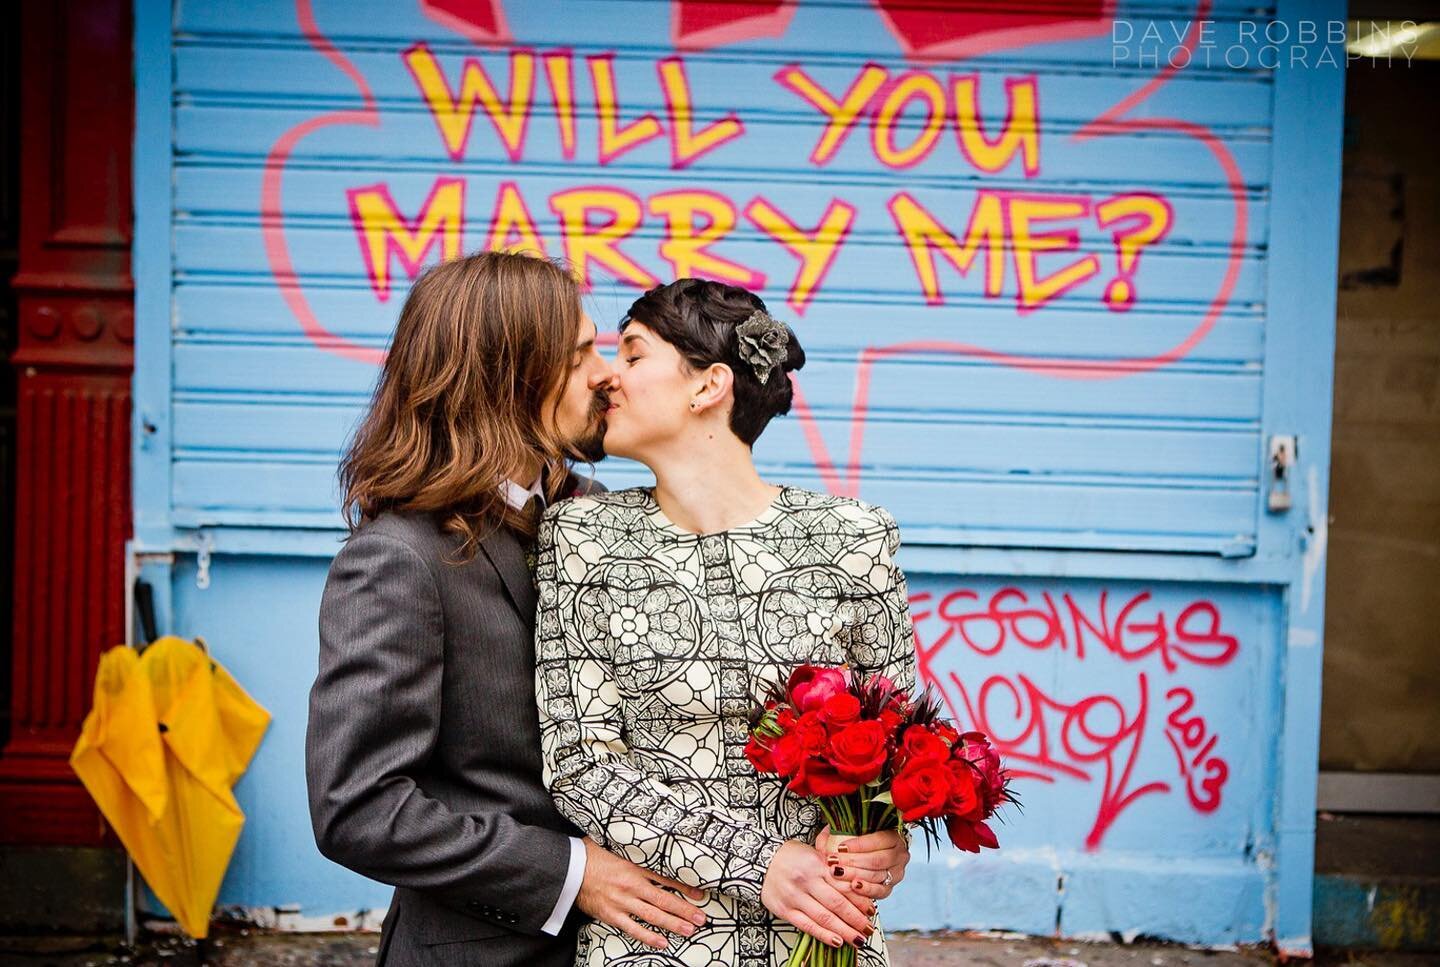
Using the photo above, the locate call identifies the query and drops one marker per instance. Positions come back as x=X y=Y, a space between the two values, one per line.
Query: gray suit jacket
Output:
x=422 y=754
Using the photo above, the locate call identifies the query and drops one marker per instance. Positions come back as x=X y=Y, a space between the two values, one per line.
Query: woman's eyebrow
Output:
x=631 y=337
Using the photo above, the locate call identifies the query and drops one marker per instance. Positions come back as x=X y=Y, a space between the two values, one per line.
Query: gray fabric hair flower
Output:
x=763 y=343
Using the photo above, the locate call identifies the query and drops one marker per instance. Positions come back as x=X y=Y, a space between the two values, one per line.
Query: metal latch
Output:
x=1283 y=454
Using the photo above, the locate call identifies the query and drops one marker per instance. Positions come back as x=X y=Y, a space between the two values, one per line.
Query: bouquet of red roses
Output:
x=873 y=758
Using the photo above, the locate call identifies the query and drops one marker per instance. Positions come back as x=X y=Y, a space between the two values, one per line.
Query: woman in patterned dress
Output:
x=664 y=610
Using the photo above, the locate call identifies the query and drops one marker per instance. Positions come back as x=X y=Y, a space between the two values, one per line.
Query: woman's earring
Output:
x=693 y=404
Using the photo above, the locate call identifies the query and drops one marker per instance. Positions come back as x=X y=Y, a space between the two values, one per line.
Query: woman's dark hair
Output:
x=699 y=317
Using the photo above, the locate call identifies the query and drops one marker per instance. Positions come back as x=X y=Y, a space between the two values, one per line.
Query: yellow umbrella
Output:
x=169 y=735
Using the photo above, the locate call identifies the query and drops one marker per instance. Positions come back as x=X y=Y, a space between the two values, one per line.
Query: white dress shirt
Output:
x=517 y=497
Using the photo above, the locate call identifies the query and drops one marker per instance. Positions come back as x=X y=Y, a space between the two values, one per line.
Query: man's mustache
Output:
x=599 y=404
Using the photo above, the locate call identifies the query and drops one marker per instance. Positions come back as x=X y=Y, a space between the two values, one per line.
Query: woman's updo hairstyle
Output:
x=699 y=318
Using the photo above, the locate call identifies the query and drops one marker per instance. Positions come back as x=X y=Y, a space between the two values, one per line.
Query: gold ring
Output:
x=888 y=877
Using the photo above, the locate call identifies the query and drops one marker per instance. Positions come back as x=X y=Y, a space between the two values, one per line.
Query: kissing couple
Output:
x=533 y=694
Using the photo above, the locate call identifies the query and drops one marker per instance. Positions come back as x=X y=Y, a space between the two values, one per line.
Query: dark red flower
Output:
x=970 y=836
x=976 y=749
x=921 y=791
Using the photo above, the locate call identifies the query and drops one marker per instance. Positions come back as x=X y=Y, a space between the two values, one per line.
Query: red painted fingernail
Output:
x=857 y=884
x=838 y=871
x=836 y=941
x=843 y=848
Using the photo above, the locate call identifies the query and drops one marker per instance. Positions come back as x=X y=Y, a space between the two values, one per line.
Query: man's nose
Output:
x=603 y=377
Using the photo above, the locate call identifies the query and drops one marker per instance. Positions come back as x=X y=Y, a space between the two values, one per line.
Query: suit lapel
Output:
x=508 y=557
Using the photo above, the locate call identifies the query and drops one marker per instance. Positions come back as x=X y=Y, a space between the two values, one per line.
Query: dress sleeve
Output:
x=588 y=765
x=883 y=641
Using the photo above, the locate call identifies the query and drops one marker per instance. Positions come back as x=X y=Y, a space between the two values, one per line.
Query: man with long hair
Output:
x=423 y=747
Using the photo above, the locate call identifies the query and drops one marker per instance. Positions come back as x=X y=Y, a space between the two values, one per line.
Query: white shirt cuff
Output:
x=569 y=891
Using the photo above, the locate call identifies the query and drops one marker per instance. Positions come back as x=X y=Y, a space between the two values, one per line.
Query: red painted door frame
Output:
x=73 y=359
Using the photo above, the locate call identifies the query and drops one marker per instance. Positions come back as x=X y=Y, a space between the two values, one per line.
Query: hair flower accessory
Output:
x=763 y=343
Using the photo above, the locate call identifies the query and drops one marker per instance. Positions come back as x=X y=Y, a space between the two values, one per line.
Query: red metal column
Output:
x=74 y=359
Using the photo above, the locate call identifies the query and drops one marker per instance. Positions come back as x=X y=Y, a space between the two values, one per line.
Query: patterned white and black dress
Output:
x=652 y=645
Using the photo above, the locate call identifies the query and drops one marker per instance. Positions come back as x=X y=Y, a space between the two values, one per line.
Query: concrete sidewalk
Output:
x=248 y=948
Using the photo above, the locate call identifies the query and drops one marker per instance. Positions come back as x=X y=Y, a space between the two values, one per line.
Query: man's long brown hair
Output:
x=483 y=343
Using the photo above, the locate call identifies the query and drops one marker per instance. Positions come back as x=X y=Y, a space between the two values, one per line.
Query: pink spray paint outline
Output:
x=1109 y=122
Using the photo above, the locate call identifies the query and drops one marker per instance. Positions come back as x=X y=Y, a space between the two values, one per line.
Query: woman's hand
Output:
x=801 y=888
x=871 y=865
x=630 y=899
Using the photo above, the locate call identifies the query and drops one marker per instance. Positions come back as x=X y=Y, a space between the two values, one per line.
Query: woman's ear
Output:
x=716 y=386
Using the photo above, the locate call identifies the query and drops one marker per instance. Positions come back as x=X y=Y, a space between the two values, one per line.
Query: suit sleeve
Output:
x=587 y=763
x=374 y=720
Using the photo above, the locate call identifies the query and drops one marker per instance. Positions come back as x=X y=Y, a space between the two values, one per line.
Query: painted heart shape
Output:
x=945 y=29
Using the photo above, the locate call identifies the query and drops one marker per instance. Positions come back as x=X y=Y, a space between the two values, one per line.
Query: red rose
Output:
x=970 y=836
x=819 y=778
x=840 y=710
x=858 y=752
x=965 y=795
x=810 y=686
x=759 y=755
x=786 y=754
x=921 y=791
x=921 y=746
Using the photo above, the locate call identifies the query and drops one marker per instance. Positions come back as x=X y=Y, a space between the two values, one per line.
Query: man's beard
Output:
x=591 y=446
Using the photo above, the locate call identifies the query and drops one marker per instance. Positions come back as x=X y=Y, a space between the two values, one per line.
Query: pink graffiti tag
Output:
x=1095 y=738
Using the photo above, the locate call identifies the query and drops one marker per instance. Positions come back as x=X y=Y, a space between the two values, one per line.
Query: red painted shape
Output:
x=951 y=29
x=482 y=21
x=698 y=24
